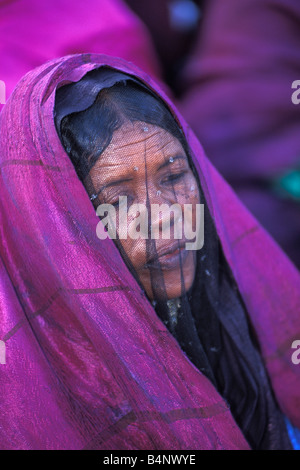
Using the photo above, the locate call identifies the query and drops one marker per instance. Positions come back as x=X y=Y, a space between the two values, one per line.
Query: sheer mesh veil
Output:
x=111 y=125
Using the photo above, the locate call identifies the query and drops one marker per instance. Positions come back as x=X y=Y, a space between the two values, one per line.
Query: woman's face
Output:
x=149 y=166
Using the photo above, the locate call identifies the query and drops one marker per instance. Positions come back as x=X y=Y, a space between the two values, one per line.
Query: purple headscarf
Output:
x=88 y=362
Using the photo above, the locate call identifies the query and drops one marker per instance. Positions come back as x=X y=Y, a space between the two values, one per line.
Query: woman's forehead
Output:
x=139 y=142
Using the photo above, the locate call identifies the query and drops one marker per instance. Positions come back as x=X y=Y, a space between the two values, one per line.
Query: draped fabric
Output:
x=204 y=318
x=89 y=364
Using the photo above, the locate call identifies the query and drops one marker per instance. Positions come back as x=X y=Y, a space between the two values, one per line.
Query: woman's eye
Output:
x=173 y=178
x=121 y=201
x=117 y=202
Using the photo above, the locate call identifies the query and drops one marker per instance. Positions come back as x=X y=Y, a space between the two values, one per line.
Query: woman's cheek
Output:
x=135 y=251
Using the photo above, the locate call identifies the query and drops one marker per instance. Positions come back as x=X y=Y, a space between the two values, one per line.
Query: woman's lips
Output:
x=170 y=258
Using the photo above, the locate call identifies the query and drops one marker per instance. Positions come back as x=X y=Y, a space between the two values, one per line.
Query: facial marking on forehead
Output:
x=135 y=136
x=130 y=141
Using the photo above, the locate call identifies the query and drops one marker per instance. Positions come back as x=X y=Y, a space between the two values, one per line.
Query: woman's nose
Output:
x=164 y=213
x=154 y=194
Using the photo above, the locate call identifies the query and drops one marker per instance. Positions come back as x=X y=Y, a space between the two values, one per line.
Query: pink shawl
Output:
x=88 y=362
x=33 y=32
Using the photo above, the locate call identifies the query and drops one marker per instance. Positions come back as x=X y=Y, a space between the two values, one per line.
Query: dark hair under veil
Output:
x=210 y=324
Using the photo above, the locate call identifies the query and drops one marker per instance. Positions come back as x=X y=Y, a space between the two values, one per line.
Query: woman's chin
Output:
x=175 y=281
x=179 y=286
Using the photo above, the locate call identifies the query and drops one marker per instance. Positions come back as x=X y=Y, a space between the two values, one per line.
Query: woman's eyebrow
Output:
x=113 y=183
x=169 y=162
